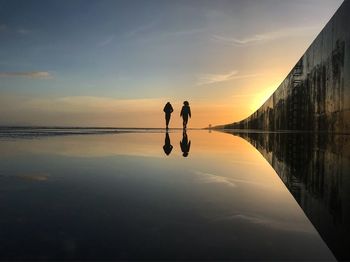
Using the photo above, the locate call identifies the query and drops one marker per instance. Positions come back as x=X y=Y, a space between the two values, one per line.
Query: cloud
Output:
x=207 y=79
x=296 y=226
x=244 y=41
x=147 y=28
x=141 y=29
x=265 y=37
x=33 y=74
x=184 y=32
x=211 y=178
x=169 y=35
x=234 y=182
x=34 y=177
x=106 y=41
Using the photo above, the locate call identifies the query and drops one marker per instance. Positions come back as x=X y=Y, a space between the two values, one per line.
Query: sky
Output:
x=116 y=63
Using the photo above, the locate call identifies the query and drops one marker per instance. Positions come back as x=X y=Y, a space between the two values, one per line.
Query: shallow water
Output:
x=120 y=196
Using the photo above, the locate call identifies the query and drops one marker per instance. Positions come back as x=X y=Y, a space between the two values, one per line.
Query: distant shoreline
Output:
x=92 y=127
x=10 y=132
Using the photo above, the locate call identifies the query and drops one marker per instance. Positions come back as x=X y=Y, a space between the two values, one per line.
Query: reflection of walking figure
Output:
x=167 y=145
x=185 y=113
x=185 y=144
x=168 y=109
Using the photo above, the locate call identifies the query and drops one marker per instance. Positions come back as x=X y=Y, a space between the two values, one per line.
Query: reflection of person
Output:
x=167 y=145
x=185 y=144
x=185 y=113
x=168 y=109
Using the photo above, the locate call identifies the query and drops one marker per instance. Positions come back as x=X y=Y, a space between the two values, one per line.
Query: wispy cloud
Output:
x=207 y=79
x=211 y=178
x=243 y=41
x=169 y=35
x=234 y=182
x=108 y=40
x=147 y=28
x=265 y=37
x=184 y=32
x=34 y=177
x=141 y=29
x=296 y=226
x=33 y=74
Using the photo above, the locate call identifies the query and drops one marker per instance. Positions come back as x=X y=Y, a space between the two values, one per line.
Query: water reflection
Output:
x=185 y=144
x=118 y=197
x=316 y=170
x=167 y=144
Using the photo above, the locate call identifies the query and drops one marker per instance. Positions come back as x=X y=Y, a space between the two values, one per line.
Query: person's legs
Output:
x=185 y=119
x=167 y=120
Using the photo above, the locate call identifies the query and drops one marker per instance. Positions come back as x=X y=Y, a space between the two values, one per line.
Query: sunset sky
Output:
x=116 y=63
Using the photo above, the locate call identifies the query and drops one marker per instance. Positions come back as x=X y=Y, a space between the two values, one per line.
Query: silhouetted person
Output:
x=168 y=109
x=185 y=113
x=185 y=144
x=167 y=145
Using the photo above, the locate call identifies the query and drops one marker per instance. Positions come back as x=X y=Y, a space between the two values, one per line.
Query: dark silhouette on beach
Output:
x=168 y=109
x=185 y=113
x=185 y=144
x=167 y=145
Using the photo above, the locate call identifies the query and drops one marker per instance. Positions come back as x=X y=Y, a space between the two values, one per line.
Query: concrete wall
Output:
x=316 y=93
x=315 y=168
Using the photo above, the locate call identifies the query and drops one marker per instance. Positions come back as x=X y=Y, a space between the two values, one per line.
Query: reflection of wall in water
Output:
x=316 y=93
x=316 y=170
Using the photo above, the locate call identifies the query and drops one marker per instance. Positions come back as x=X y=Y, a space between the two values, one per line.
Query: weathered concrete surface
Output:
x=315 y=167
x=316 y=93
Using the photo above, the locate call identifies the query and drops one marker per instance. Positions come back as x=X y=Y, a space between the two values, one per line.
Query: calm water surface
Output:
x=134 y=195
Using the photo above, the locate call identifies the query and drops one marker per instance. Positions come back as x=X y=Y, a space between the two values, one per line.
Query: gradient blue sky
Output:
x=116 y=63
